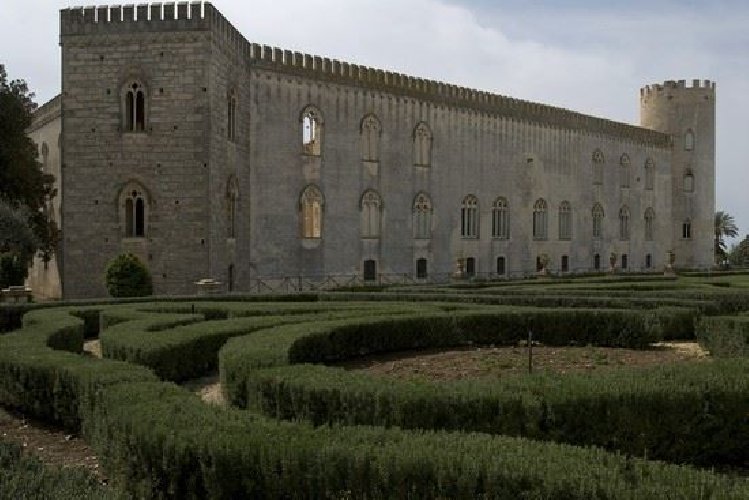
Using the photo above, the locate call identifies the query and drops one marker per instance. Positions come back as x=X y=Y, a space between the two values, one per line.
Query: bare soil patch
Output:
x=50 y=444
x=208 y=388
x=473 y=362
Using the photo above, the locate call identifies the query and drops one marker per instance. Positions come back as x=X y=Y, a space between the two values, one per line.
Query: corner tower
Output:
x=687 y=113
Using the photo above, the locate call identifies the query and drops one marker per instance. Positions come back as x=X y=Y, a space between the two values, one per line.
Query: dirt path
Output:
x=50 y=444
x=92 y=347
x=208 y=388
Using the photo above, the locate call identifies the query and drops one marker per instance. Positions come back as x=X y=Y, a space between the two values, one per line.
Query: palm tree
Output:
x=725 y=225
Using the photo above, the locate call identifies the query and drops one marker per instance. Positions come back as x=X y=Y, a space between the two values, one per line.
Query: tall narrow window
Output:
x=232 y=202
x=624 y=171
x=624 y=261
x=422 y=138
x=649 y=174
x=501 y=266
x=597 y=165
x=565 y=264
x=370 y=138
x=565 y=221
x=597 y=221
x=624 y=223
x=469 y=217
x=540 y=219
x=688 y=181
x=135 y=213
x=686 y=229
x=648 y=261
x=230 y=278
x=231 y=115
x=370 y=270
x=311 y=131
x=597 y=262
x=135 y=108
x=311 y=203
x=422 y=216
x=470 y=267
x=500 y=219
x=421 y=268
x=649 y=223
x=371 y=208
x=689 y=140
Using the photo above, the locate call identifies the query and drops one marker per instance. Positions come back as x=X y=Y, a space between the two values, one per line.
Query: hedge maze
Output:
x=297 y=427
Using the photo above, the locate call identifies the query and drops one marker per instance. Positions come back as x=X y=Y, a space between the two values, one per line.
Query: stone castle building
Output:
x=210 y=156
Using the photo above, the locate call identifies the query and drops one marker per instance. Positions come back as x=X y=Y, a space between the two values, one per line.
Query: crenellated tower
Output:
x=687 y=114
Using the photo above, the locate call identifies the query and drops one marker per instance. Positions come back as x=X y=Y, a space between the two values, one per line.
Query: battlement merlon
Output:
x=703 y=86
x=45 y=113
x=196 y=16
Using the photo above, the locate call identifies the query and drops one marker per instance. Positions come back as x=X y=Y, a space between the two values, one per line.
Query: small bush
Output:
x=724 y=337
x=128 y=277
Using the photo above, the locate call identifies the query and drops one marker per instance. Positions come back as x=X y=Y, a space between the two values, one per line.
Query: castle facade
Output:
x=212 y=157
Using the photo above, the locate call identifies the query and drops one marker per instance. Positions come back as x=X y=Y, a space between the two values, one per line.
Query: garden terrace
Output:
x=572 y=436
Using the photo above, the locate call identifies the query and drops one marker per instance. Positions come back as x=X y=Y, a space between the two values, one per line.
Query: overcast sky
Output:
x=587 y=55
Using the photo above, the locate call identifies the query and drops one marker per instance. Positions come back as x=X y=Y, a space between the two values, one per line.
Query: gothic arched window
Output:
x=624 y=223
x=649 y=174
x=624 y=171
x=371 y=208
x=565 y=221
x=370 y=138
x=649 y=223
x=422 y=138
x=500 y=219
x=231 y=115
x=540 y=219
x=135 y=107
x=422 y=216
x=597 y=220
x=597 y=165
x=134 y=203
x=232 y=202
x=311 y=205
x=469 y=217
x=311 y=131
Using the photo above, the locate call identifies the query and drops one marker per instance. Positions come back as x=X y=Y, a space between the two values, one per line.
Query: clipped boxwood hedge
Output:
x=158 y=440
x=724 y=336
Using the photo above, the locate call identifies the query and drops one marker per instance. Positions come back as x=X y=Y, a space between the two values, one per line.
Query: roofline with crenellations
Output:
x=197 y=16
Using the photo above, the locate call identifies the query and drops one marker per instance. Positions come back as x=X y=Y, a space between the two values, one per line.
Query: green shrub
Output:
x=128 y=277
x=13 y=270
x=723 y=336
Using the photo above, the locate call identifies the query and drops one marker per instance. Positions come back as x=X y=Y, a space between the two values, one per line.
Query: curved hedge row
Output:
x=158 y=440
x=724 y=336
x=690 y=413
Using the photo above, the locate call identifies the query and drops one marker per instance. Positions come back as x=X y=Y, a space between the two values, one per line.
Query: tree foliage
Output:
x=739 y=254
x=128 y=277
x=22 y=181
x=17 y=245
x=725 y=226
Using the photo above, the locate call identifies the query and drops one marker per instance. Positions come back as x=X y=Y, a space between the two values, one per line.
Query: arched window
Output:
x=597 y=262
x=501 y=266
x=134 y=205
x=597 y=164
x=311 y=205
x=232 y=202
x=370 y=138
x=422 y=138
x=135 y=107
x=540 y=219
x=689 y=140
x=565 y=221
x=597 y=213
x=469 y=217
x=649 y=174
x=624 y=223
x=371 y=208
x=500 y=219
x=422 y=216
x=624 y=169
x=231 y=115
x=686 y=229
x=688 y=181
x=649 y=223
x=311 y=131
